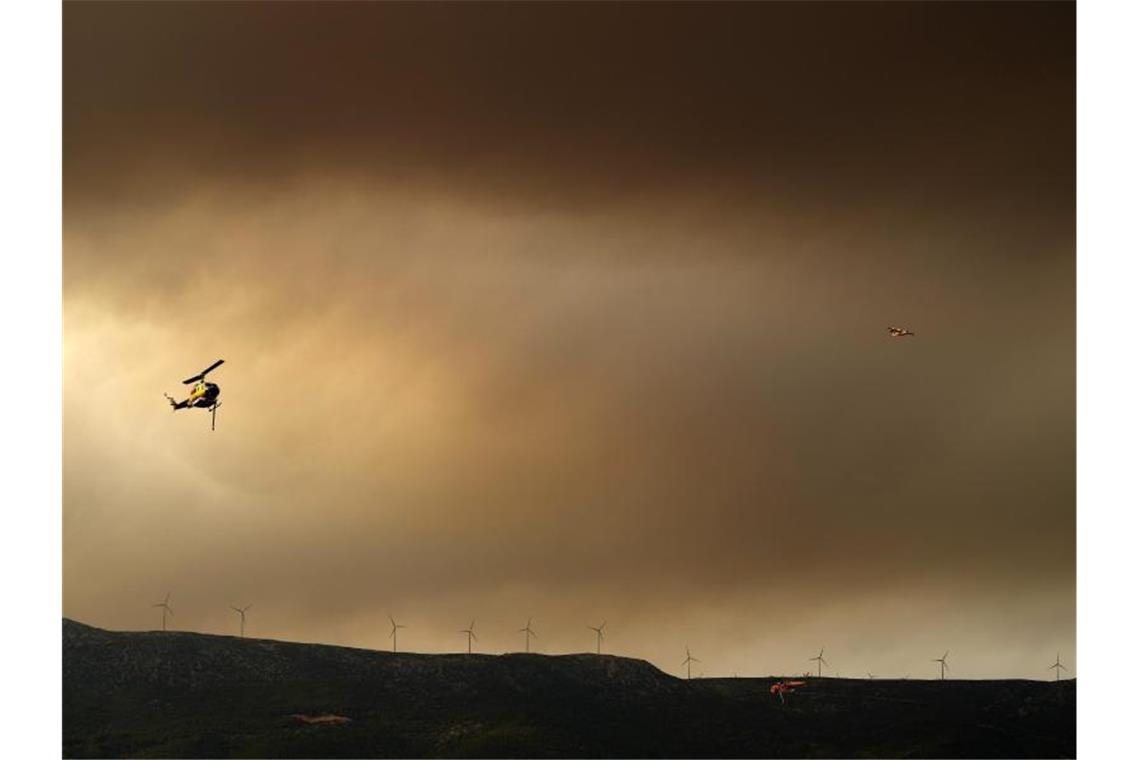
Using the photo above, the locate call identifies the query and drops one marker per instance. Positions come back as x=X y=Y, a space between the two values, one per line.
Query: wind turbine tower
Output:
x=688 y=663
x=241 y=611
x=165 y=605
x=820 y=662
x=942 y=663
x=528 y=633
x=601 y=632
x=470 y=631
x=1058 y=667
x=395 y=627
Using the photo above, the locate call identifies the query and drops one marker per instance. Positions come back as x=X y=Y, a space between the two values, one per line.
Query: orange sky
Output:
x=578 y=313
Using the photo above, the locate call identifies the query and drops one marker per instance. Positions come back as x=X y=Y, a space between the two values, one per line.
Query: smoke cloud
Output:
x=578 y=313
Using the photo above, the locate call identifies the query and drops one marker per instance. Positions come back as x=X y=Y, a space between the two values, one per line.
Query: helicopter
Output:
x=203 y=395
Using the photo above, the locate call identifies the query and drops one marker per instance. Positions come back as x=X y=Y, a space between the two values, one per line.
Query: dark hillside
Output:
x=193 y=695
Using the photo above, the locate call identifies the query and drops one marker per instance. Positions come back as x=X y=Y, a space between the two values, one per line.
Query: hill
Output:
x=175 y=694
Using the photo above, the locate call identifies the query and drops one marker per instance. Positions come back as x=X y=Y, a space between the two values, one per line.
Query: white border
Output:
x=1107 y=379
x=31 y=375
x=31 y=368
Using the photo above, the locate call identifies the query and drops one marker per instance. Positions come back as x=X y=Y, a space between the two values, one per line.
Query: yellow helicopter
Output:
x=203 y=395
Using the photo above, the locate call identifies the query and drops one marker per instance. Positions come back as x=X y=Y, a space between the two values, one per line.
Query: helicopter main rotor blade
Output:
x=213 y=366
x=204 y=372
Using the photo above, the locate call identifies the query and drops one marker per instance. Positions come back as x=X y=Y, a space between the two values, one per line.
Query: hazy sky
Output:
x=578 y=313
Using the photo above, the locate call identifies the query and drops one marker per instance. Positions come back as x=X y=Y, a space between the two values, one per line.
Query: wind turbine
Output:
x=165 y=605
x=944 y=666
x=1057 y=666
x=528 y=633
x=395 y=627
x=820 y=662
x=601 y=631
x=241 y=611
x=688 y=663
x=470 y=631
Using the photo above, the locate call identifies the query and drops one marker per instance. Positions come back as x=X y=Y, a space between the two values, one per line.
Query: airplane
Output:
x=899 y=332
x=203 y=395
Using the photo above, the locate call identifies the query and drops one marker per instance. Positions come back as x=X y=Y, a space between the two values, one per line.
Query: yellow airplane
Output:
x=203 y=395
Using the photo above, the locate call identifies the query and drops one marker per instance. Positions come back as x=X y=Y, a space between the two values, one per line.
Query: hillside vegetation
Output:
x=175 y=694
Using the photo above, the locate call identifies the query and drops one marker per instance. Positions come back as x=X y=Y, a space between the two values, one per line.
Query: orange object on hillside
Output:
x=780 y=688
